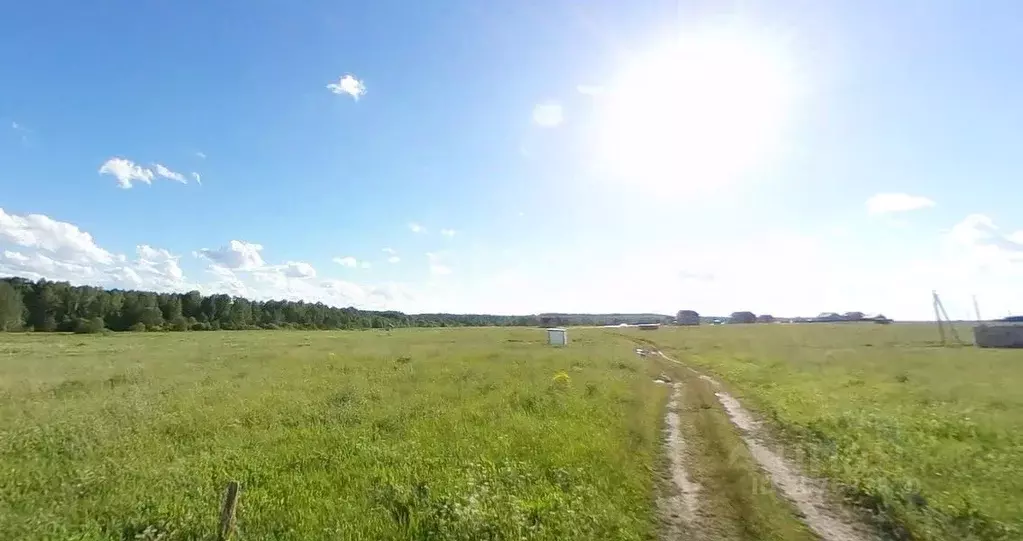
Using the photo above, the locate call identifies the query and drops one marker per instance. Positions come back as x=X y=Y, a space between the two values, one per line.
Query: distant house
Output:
x=687 y=317
x=765 y=318
x=743 y=317
x=853 y=316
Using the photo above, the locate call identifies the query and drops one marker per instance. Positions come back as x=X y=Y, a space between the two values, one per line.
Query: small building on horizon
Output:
x=557 y=336
x=743 y=317
x=687 y=317
x=1007 y=333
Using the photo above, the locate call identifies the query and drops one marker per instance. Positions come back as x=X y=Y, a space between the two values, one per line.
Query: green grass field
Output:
x=456 y=434
x=419 y=434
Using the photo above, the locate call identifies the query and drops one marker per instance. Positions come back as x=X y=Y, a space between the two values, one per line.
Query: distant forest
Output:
x=58 y=306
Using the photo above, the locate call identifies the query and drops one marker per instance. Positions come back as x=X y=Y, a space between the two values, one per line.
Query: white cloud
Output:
x=348 y=84
x=201 y=155
x=126 y=172
x=349 y=262
x=977 y=256
x=164 y=172
x=198 y=179
x=390 y=251
x=447 y=232
x=237 y=255
x=36 y=265
x=148 y=253
x=980 y=233
x=36 y=246
x=548 y=115
x=590 y=90
x=392 y=293
x=15 y=256
x=56 y=250
x=297 y=281
x=162 y=261
x=350 y=293
x=157 y=263
x=394 y=259
x=886 y=203
x=59 y=239
x=437 y=266
x=299 y=269
x=974 y=229
x=276 y=282
x=416 y=228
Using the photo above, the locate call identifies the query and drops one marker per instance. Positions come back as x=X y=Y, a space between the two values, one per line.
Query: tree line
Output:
x=58 y=306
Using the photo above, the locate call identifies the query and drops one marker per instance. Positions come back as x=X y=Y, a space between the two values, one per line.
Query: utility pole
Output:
x=939 y=312
x=937 y=317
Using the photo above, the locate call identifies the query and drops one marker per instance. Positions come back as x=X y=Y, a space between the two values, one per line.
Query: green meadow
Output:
x=474 y=433
x=416 y=434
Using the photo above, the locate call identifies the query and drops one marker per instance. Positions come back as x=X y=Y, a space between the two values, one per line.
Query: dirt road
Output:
x=725 y=481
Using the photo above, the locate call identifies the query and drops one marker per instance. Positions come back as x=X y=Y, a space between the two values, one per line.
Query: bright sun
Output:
x=697 y=113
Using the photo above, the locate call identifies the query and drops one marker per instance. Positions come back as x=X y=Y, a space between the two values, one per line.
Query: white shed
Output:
x=557 y=337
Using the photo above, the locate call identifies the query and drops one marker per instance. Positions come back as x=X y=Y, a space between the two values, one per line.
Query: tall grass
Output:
x=414 y=434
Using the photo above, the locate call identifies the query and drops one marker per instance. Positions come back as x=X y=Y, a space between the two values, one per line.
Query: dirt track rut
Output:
x=827 y=520
x=679 y=509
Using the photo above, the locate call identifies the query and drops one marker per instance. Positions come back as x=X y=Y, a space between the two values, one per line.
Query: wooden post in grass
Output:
x=227 y=512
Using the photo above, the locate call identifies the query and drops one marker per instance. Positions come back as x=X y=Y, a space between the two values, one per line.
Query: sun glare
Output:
x=695 y=114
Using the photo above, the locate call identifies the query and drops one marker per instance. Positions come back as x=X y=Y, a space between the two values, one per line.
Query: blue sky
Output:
x=518 y=157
